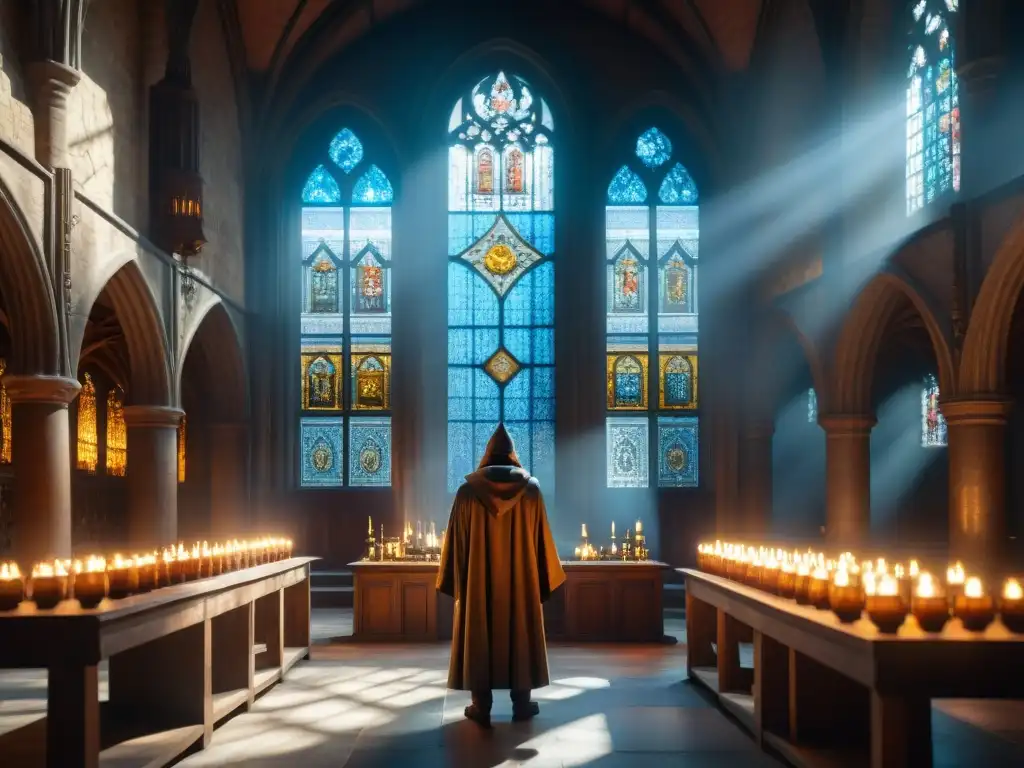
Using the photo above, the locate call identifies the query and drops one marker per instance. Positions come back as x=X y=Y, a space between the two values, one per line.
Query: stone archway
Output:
x=214 y=392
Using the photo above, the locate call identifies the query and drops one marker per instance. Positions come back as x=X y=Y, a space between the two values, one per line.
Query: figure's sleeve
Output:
x=549 y=565
x=447 y=573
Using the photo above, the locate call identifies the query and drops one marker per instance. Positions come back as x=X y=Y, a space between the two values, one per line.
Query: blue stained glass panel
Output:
x=517 y=397
x=626 y=188
x=678 y=452
x=322 y=452
x=532 y=300
x=538 y=229
x=471 y=301
x=464 y=229
x=369 y=450
x=677 y=388
x=812 y=406
x=628 y=388
x=544 y=393
x=627 y=446
x=678 y=187
x=460 y=451
x=321 y=187
x=373 y=188
x=653 y=148
x=346 y=150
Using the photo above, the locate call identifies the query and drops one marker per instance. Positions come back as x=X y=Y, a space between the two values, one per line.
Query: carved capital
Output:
x=152 y=416
x=976 y=411
x=41 y=389
x=847 y=424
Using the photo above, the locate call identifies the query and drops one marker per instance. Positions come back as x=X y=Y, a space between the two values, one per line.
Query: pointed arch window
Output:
x=933 y=423
x=117 y=435
x=651 y=253
x=812 y=406
x=501 y=275
x=345 y=344
x=933 y=103
x=182 y=446
x=88 y=442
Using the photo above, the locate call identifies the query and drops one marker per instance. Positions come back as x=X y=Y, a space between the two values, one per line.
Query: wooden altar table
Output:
x=829 y=694
x=181 y=658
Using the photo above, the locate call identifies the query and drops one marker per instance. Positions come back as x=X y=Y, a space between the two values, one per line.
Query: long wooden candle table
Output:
x=181 y=658
x=825 y=693
x=600 y=602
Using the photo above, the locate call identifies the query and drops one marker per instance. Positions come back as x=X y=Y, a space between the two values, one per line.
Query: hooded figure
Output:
x=500 y=564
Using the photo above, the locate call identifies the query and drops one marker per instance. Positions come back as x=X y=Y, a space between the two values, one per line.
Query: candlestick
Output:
x=584 y=534
x=974 y=608
x=1011 y=607
x=929 y=606
x=639 y=527
x=12 y=586
x=884 y=604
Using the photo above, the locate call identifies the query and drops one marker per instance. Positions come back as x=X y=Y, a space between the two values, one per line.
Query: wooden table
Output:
x=825 y=693
x=600 y=602
x=181 y=659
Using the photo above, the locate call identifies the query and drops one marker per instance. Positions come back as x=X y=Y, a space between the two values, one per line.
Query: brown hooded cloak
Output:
x=500 y=564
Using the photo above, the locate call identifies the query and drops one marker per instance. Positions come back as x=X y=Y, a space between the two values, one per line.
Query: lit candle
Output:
x=974 y=608
x=753 y=576
x=1011 y=607
x=884 y=604
x=90 y=581
x=801 y=583
x=170 y=568
x=787 y=580
x=639 y=527
x=817 y=588
x=578 y=553
x=845 y=596
x=770 y=574
x=955 y=577
x=123 y=577
x=613 y=529
x=49 y=584
x=584 y=530
x=929 y=606
x=12 y=586
x=150 y=571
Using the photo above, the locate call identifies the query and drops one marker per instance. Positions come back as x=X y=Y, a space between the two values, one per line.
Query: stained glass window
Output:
x=88 y=442
x=812 y=406
x=933 y=104
x=501 y=314
x=117 y=435
x=651 y=253
x=182 y=447
x=345 y=343
x=933 y=423
x=5 y=417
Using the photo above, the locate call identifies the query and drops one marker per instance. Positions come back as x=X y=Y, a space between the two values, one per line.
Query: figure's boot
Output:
x=480 y=710
x=522 y=708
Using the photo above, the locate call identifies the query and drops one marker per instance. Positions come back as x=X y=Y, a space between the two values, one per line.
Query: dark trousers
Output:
x=483 y=700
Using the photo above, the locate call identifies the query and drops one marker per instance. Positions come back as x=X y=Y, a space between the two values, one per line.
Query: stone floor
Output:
x=355 y=705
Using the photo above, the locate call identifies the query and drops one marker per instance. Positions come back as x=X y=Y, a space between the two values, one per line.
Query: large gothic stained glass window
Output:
x=933 y=423
x=933 y=104
x=345 y=346
x=651 y=248
x=501 y=274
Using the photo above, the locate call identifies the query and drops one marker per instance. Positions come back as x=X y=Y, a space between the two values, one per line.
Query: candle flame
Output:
x=841 y=578
x=9 y=572
x=1012 y=590
x=887 y=586
x=972 y=588
x=868 y=580
x=915 y=569
x=925 y=585
x=820 y=573
x=955 y=573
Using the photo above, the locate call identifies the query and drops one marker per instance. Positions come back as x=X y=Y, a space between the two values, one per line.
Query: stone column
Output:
x=847 y=479
x=229 y=473
x=977 y=479
x=152 y=475
x=755 y=457
x=52 y=83
x=41 y=453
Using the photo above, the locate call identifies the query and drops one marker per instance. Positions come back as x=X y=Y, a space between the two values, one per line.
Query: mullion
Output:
x=346 y=347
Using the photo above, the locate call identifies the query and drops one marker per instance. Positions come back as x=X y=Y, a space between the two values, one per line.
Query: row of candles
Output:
x=425 y=544
x=850 y=587
x=633 y=547
x=94 y=578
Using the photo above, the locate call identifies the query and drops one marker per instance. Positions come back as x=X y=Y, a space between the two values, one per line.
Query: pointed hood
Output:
x=500 y=480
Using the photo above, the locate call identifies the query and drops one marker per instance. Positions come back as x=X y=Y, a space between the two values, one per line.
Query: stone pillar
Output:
x=847 y=480
x=152 y=475
x=52 y=83
x=755 y=457
x=41 y=453
x=977 y=480
x=229 y=474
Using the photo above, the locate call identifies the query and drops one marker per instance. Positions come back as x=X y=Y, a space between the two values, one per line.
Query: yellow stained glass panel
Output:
x=88 y=442
x=371 y=376
x=5 y=413
x=322 y=380
x=117 y=435
x=627 y=381
x=182 y=435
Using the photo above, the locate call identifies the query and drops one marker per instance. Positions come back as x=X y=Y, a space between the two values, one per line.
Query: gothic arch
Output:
x=983 y=365
x=218 y=349
x=140 y=319
x=860 y=338
x=24 y=282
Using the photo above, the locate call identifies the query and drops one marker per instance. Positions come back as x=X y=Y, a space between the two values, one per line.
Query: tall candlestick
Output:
x=639 y=527
x=584 y=530
x=613 y=529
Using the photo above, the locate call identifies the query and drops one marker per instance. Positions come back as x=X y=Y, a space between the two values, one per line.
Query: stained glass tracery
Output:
x=88 y=441
x=651 y=252
x=933 y=104
x=933 y=423
x=345 y=344
x=500 y=275
x=5 y=417
x=117 y=435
